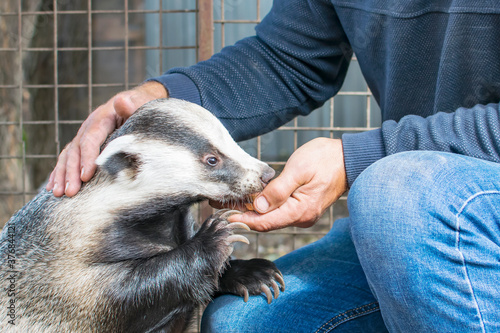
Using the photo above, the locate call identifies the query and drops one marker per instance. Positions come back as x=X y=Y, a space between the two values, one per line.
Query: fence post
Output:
x=205 y=29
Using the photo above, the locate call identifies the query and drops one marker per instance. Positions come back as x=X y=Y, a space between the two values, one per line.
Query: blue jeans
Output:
x=420 y=252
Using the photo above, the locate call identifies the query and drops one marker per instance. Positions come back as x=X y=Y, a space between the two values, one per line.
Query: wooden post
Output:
x=205 y=29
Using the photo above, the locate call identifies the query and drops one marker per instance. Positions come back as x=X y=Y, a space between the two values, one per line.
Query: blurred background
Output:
x=60 y=59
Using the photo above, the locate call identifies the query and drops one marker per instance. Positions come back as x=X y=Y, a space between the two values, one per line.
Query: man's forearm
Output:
x=297 y=61
x=471 y=132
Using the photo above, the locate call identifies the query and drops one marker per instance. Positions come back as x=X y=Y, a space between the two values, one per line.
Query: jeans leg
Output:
x=426 y=227
x=325 y=290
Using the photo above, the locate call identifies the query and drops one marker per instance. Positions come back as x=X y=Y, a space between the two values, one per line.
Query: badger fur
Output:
x=123 y=255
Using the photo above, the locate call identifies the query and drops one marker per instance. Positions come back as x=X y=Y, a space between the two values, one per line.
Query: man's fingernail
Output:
x=261 y=204
x=82 y=172
x=55 y=187
x=66 y=188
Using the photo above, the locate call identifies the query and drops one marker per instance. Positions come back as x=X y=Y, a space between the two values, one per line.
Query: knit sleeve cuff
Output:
x=179 y=86
x=360 y=151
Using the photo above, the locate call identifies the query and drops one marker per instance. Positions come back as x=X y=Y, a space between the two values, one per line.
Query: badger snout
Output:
x=257 y=176
x=267 y=174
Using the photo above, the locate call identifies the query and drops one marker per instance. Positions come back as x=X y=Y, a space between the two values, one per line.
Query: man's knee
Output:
x=389 y=199
x=230 y=314
x=220 y=316
x=409 y=199
x=416 y=219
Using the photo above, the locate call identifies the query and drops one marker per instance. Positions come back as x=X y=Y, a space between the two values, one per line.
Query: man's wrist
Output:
x=360 y=151
x=154 y=88
x=179 y=86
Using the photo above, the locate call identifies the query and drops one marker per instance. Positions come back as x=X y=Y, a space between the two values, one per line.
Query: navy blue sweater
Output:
x=433 y=67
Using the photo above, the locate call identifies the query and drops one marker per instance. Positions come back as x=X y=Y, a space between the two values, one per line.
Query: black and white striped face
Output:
x=178 y=149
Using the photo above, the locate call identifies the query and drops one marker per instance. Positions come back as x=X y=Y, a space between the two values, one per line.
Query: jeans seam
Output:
x=353 y=315
x=462 y=257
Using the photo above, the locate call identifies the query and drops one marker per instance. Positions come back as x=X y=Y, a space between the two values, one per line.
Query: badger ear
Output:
x=117 y=157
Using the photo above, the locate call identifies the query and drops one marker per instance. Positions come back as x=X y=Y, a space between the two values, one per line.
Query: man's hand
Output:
x=313 y=178
x=76 y=163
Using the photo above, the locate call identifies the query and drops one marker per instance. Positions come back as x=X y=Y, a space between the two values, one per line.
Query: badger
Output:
x=124 y=254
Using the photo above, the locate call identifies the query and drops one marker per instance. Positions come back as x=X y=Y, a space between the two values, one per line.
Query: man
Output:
x=420 y=250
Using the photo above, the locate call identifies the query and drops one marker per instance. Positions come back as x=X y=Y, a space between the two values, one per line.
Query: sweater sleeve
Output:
x=472 y=132
x=297 y=60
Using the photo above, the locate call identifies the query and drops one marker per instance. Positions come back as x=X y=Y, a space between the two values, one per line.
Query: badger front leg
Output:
x=242 y=277
x=160 y=292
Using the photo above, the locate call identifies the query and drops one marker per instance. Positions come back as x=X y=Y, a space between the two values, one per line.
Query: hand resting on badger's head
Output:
x=123 y=254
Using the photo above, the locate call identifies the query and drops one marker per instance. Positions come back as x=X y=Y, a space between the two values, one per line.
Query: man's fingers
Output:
x=72 y=181
x=59 y=174
x=76 y=163
x=89 y=148
x=288 y=214
x=272 y=221
x=276 y=193
x=96 y=129
x=50 y=183
x=102 y=123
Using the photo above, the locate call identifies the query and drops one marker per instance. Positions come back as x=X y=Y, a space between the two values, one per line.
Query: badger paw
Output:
x=217 y=236
x=252 y=277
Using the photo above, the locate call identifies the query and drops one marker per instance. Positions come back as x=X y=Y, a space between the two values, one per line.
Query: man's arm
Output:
x=472 y=132
x=297 y=60
x=319 y=172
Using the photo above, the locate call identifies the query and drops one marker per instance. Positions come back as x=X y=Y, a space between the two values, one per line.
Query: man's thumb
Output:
x=276 y=193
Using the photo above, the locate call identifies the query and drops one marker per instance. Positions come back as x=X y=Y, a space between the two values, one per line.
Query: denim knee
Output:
x=219 y=316
x=388 y=199
x=425 y=226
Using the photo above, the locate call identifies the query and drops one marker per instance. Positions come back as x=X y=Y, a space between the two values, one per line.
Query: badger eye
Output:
x=212 y=161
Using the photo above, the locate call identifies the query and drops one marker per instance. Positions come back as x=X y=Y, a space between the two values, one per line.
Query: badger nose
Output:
x=267 y=174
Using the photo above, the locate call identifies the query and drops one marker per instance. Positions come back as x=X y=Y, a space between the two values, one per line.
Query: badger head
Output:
x=174 y=149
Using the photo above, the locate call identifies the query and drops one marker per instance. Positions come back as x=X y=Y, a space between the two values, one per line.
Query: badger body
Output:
x=123 y=254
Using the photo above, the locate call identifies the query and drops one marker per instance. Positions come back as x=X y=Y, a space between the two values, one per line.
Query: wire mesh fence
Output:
x=61 y=59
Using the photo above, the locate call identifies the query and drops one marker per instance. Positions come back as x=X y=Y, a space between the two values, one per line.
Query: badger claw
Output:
x=238 y=238
x=239 y=225
x=245 y=295
x=255 y=277
x=228 y=212
x=219 y=213
x=276 y=289
x=265 y=289
x=280 y=279
x=223 y=214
